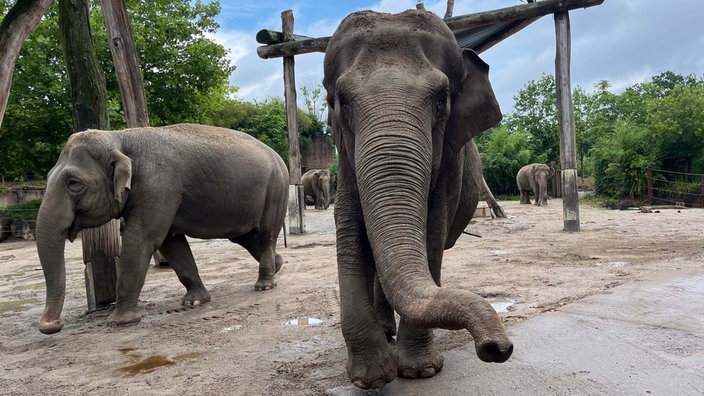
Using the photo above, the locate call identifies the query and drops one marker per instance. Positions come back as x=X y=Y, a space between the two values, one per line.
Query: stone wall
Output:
x=320 y=155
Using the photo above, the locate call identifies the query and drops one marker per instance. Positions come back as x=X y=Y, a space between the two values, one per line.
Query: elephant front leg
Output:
x=131 y=273
x=178 y=253
x=417 y=356
x=372 y=360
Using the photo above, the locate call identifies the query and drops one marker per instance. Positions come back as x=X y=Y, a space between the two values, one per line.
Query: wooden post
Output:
x=568 y=140
x=296 y=200
x=124 y=56
x=649 y=181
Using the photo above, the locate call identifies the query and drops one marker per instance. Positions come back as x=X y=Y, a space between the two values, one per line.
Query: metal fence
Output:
x=675 y=188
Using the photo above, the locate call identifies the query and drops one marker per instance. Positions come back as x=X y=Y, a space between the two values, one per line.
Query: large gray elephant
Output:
x=317 y=184
x=404 y=104
x=534 y=178
x=167 y=183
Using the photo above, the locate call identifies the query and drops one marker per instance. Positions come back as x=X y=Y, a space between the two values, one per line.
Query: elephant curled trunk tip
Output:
x=50 y=327
x=494 y=350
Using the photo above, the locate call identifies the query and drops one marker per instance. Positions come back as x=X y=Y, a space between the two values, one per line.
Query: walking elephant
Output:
x=167 y=183
x=404 y=104
x=317 y=184
x=534 y=178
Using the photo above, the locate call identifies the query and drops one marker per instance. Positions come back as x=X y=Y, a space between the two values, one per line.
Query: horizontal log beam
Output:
x=530 y=11
x=525 y=11
x=266 y=36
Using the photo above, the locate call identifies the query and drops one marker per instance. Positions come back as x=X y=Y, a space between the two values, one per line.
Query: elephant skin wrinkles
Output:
x=404 y=104
x=167 y=183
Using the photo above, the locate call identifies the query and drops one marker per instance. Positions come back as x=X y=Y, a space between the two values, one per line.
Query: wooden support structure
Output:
x=568 y=145
x=514 y=19
x=296 y=199
x=509 y=14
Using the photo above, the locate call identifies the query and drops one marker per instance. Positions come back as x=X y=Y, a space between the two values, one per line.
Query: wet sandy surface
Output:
x=288 y=340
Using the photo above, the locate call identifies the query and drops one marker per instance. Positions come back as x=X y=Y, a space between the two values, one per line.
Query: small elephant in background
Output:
x=534 y=178
x=166 y=183
x=316 y=185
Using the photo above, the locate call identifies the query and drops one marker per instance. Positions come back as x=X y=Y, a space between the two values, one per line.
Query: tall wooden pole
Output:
x=296 y=204
x=568 y=152
x=124 y=56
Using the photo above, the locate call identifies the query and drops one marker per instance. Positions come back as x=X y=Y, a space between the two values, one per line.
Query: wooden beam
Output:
x=508 y=14
x=501 y=36
x=266 y=36
x=525 y=11
x=568 y=145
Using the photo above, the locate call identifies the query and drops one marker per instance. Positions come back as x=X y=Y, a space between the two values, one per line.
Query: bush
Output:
x=25 y=211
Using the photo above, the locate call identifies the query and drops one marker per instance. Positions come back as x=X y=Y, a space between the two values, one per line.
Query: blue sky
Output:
x=622 y=41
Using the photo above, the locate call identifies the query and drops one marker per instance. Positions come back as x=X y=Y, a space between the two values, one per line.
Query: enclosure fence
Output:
x=675 y=188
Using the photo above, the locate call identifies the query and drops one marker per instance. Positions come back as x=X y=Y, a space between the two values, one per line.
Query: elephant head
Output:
x=86 y=188
x=404 y=100
x=321 y=184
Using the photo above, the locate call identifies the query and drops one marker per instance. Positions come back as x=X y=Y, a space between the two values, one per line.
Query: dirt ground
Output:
x=288 y=340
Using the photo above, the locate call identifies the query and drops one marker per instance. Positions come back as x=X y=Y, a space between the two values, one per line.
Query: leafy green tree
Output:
x=536 y=113
x=185 y=75
x=185 y=72
x=503 y=154
x=621 y=161
x=38 y=116
x=677 y=121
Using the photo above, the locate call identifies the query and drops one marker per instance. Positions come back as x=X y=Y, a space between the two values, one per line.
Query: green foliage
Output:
x=267 y=122
x=25 y=211
x=503 y=154
x=185 y=75
x=536 y=113
x=38 y=115
x=621 y=161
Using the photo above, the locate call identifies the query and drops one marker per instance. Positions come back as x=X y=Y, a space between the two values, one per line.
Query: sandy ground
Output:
x=288 y=340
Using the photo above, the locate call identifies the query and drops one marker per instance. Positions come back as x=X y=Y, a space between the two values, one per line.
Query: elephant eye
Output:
x=75 y=185
x=440 y=105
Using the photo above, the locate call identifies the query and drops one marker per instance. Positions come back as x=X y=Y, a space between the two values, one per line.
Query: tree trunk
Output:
x=19 y=22
x=129 y=75
x=101 y=245
x=124 y=56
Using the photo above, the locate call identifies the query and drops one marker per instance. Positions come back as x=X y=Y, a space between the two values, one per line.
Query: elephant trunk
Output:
x=51 y=234
x=326 y=194
x=393 y=174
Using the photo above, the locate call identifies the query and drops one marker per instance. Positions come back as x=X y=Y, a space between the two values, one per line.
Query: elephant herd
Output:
x=405 y=102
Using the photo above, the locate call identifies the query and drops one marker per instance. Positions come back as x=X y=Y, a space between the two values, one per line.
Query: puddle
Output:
x=17 y=305
x=303 y=322
x=501 y=305
x=151 y=363
x=613 y=264
x=231 y=328
x=501 y=252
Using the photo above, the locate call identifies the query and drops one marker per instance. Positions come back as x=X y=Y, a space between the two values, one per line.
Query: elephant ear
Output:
x=122 y=176
x=475 y=108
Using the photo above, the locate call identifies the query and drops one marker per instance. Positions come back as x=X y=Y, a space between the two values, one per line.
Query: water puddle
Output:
x=144 y=365
x=501 y=304
x=231 y=328
x=310 y=321
x=17 y=305
x=613 y=264
x=501 y=252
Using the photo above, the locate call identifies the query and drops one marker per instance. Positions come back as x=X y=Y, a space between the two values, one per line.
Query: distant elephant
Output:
x=404 y=103
x=167 y=183
x=317 y=184
x=534 y=178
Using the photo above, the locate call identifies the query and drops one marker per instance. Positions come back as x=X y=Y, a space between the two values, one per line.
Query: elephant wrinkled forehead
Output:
x=413 y=37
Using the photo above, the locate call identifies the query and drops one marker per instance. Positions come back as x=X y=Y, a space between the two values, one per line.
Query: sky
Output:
x=622 y=41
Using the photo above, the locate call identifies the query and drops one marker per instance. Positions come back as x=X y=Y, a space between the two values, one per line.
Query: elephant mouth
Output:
x=73 y=231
